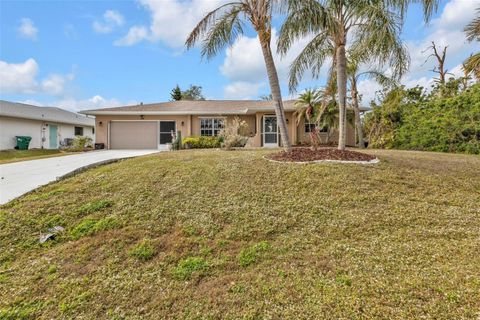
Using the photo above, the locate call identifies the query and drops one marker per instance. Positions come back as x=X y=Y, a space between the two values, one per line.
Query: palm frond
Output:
x=202 y=27
x=223 y=32
x=472 y=30
x=311 y=57
x=472 y=65
x=305 y=17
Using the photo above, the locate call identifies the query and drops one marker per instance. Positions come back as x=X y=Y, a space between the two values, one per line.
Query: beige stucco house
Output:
x=149 y=126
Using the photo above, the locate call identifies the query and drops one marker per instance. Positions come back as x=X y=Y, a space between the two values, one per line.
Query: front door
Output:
x=270 y=131
x=52 y=137
x=166 y=130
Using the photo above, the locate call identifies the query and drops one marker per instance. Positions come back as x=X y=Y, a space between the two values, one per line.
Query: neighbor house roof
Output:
x=203 y=107
x=48 y=114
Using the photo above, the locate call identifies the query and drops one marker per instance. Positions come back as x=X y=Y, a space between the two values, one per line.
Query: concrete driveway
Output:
x=21 y=177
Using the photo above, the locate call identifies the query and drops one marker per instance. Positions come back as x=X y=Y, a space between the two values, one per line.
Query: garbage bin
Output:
x=23 y=142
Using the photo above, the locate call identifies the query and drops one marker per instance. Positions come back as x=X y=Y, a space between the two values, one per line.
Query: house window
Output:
x=211 y=126
x=93 y=130
x=79 y=131
x=309 y=127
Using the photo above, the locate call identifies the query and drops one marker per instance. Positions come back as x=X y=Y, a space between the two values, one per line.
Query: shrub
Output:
x=234 y=134
x=202 y=142
x=143 y=251
x=411 y=119
x=250 y=255
x=187 y=267
x=81 y=142
x=177 y=141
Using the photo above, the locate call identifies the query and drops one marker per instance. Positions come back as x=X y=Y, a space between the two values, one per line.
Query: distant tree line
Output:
x=192 y=93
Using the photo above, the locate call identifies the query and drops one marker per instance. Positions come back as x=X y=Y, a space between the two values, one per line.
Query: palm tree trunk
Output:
x=276 y=93
x=358 y=122
x=342 y=95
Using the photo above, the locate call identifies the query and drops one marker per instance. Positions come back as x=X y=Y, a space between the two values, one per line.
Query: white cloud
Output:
x=18 y=77
x=21 y=78
x=244 y=59
x=243 y=90
x=244 y=63
x=55 y=83
x=27 y=29
x=171 y=21
x=134 y=35
x=111 y=20
x=75 y=105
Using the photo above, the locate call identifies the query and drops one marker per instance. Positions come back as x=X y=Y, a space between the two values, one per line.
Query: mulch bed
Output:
x=307 y=154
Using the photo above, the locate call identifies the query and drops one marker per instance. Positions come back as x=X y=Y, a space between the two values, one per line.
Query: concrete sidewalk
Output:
x=21 y=177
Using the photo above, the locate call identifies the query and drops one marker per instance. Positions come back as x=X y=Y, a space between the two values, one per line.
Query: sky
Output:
x=93 y=54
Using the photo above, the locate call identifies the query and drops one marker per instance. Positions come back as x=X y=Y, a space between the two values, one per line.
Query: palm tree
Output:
x=221 y=26
x=307 y=103
x=372 y=26
x=472 y=30
x=354 y=75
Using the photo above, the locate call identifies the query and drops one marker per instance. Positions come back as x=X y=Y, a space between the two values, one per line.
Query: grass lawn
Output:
x=20 y=155
x=216 y=234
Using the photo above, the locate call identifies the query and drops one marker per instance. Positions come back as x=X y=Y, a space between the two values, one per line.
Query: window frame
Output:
x=212 y=129
x=75 y=128
x=311 y=125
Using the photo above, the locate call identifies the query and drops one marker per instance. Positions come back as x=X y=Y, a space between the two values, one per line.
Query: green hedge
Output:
x=408 y=120
x=201 y=142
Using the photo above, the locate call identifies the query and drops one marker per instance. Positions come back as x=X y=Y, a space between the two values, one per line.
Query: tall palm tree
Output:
x=354 y=75
x=372 y=26
x=221 y=26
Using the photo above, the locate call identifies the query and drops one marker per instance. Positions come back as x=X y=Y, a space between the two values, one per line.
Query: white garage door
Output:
x=134 y=135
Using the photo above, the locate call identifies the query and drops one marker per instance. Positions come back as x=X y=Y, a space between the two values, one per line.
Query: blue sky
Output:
x=92 y=54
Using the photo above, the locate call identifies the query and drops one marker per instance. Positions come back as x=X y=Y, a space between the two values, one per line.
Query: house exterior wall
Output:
x=191 y=126
x=102 y=123
x=38 y=130
x=303 y=137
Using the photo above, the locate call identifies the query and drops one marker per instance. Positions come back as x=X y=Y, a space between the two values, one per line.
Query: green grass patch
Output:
x=95 y=206
x=186 y=268
x=250 y=255
x=90 y=226
x=143 y=251
x=19 y=155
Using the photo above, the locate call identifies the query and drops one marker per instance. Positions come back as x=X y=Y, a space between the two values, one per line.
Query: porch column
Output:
x=257 y=141
x=293 y=125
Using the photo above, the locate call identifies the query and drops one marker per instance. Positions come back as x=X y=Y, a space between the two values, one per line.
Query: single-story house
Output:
x=47 y=126
x=150 y=126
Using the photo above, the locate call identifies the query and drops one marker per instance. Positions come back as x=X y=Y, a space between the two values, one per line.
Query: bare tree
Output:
x=440 y=67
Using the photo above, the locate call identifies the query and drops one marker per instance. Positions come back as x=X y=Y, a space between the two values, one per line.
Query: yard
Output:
x=20 y=155
x=217 y=234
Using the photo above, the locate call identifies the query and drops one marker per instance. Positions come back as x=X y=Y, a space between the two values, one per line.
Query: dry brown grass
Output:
x=398 y=240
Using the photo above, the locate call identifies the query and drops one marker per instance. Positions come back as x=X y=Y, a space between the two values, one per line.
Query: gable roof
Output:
x=198 y=107
x=48 y=114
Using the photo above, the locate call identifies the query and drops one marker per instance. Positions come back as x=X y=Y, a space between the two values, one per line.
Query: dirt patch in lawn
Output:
x=307 y=154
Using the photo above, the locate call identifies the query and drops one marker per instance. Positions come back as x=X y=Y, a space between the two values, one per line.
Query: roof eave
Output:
x=166 y=113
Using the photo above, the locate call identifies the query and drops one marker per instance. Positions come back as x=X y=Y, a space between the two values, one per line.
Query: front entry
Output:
x=52 y=137
x=270 y=131
x=166 y=130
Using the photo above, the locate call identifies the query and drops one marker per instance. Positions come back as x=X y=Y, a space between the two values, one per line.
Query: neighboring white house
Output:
x=48 y=126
